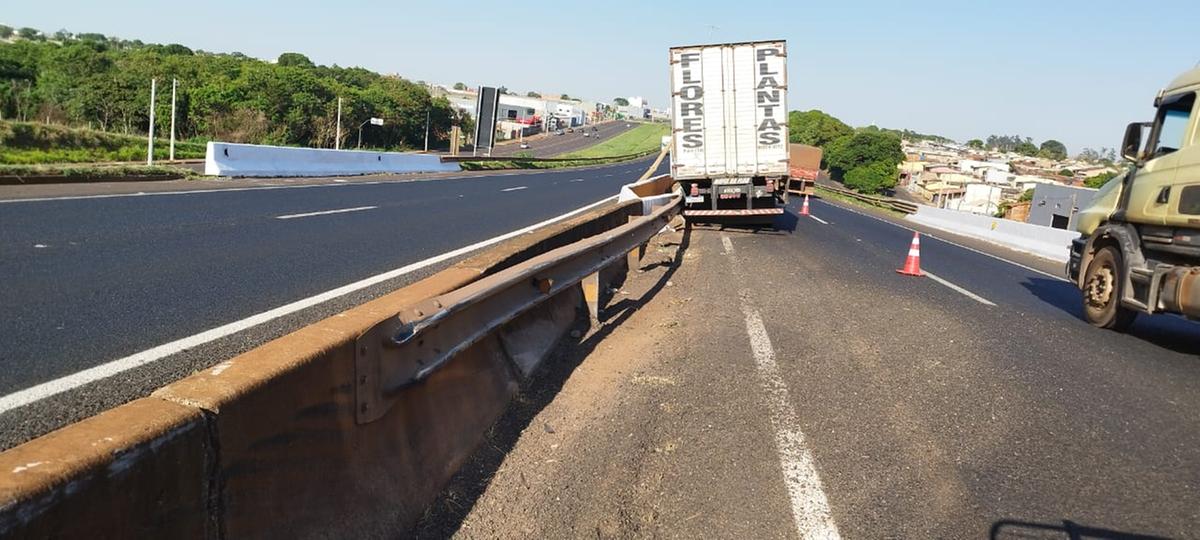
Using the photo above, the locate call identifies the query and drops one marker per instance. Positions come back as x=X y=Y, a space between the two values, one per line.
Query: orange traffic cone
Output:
x=912 y=265
x=804 y=207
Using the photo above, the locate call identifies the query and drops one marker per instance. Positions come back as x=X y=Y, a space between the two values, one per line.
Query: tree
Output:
x=975 y=143
x=1100 y=179
x=460 y=86
x=1066 y=172
x=5 y=31
x=872 y=177
x=564 y=97
x=62 y=35
x=1026 y=148
x=862 y=148
x=294 y=60
x=621 y=102
x=503 y=90
x=533 y=94
x=29 y=33
x=815 y=128
x=1053 y=149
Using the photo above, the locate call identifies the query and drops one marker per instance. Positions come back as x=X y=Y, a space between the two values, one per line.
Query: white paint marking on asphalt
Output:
x=580 y=179
x=810 y=506
x=44 y=390
x=327 y=212
x=39 y=246
x=955 y=244
x=960 y=290
x=518 y=188
x=819 y=220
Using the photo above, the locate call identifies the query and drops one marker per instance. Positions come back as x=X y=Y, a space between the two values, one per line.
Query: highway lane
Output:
x=87 y=281
x=784 y=384
x=553 y=145
x=932 y=414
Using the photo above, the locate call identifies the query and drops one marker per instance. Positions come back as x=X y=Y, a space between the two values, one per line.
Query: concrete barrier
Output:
x=230 y=159
x=1046 y=242
x=267 y=444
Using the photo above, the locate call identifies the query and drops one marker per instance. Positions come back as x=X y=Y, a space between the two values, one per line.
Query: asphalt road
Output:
x=553 y=145
x=776 y=385
x=90 y=280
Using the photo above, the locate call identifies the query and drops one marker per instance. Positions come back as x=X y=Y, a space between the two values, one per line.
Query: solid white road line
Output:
x=63 y=384
x=810 y=507
x=518 y=188
x=327 y=212
x=958 y=289
x=577 y=180
x=819 y=220
x=955 y=244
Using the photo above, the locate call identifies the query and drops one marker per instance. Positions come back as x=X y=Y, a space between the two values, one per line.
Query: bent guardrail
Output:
x=405 y=350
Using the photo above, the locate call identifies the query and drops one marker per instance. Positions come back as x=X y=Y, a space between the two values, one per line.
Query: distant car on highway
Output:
x=559 y=132
x=586 y=134
x=571 y=130
x=524 y=145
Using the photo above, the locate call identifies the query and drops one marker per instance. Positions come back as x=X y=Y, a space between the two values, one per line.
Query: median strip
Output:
x=327 y=212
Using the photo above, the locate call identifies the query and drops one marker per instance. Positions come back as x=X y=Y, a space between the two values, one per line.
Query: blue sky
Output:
x=1073 y=70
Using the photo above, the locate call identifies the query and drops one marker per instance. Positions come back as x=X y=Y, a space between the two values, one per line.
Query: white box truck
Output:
x=729 y=118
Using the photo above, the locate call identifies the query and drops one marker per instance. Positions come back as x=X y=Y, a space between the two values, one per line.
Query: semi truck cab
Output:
x=1139 y=250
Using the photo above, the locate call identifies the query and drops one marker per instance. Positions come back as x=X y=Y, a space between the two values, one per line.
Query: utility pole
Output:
x=174 y=83
x=337 y=138
x=150 y=135
x=427 y=130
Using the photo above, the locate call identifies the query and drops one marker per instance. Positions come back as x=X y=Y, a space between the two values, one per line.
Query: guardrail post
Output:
x=635 y=256
x=591 y=294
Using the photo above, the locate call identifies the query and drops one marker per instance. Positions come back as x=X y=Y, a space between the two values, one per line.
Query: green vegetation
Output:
x=517 y=163
x=1066 y=172
x=29 y=143
x=815 y=128
x=864 y=159
x=1099 y=180
x=1053 y=149
x=621 y=102
x=94 y=171
x=975 y=143
x=90 y=80
x=640 y=140
x=908 y=135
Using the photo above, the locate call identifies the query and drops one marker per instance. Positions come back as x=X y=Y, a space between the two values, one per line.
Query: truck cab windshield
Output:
x=1174 y=116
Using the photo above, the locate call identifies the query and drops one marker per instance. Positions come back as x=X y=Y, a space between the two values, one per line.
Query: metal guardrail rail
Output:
x=882 y=202
x=406 y=349
x=460 y=159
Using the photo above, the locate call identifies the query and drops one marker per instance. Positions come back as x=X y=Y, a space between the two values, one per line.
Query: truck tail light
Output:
x=695 y=190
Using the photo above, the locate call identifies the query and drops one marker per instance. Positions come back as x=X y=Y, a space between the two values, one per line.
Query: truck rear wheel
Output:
x=1102 y=291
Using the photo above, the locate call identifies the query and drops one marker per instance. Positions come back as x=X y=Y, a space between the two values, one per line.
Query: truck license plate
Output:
x=693 y=200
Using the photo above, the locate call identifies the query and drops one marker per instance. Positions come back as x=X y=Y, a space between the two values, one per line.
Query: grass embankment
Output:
x=28 y=143
x=827 y=194
x=518 y=163
x=82 y=173
x=641 y=139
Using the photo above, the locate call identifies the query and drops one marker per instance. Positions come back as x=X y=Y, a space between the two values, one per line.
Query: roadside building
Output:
x=1056 y=205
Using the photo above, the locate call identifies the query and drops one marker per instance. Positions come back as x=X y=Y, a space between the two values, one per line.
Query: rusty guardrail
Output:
x=406 y=349
x=882 y=202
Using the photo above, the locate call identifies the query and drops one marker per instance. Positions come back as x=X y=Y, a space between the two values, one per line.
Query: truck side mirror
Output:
x=1131 y=147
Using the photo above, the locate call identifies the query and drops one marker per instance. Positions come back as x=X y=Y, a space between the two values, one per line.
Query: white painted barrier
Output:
x=1047 y=242
x=231 y=159
x=648 y=203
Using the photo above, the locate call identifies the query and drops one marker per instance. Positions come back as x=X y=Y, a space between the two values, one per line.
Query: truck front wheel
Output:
x=1102 y=291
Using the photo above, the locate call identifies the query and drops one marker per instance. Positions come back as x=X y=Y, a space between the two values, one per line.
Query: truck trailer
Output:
x=1139 y=252
x=729 y=152
x=803 y=167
